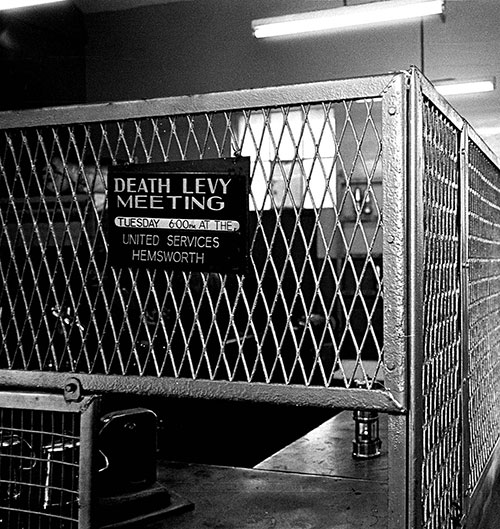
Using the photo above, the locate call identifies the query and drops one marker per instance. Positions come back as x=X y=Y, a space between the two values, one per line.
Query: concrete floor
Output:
x=326 y=451
x=491 y=517
x=489 y=507
x=312 y=483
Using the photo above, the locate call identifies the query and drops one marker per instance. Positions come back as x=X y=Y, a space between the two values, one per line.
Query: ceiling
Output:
x=96 y=6
x=466 y=45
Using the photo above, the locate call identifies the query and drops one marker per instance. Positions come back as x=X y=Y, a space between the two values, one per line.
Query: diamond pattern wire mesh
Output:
x=39 y=468
x=484 y=314
x=442 y=421
x=308 y=312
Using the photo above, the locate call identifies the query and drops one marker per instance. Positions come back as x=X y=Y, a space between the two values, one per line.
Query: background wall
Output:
x=90 y=50
x=205 y=46
x=42 y=57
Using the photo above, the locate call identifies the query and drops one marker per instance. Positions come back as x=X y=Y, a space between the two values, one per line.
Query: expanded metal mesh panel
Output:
x=40 y=468
x=309 y=311
x=484 y=311
x=441 y=472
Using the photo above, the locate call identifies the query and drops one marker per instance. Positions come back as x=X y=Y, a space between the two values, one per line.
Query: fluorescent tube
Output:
x=488 y=131
x=343 y=17
x=466 y=87
x=15 y=4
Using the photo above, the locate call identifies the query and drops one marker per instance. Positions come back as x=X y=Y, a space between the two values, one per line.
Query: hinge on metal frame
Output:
x=73 y=390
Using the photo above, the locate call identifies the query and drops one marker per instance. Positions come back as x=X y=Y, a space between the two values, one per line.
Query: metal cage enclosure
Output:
x=45 y=460
x=372 y=282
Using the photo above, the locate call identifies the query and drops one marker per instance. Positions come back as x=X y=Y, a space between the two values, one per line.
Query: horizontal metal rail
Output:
x=364 y=87
x=353 y=398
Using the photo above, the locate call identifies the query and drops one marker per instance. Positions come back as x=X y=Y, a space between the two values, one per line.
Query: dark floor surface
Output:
x=239 y=434
x=261 y=438
x=491 y=517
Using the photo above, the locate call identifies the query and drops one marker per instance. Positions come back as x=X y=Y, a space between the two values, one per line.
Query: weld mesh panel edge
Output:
x=442 y=409
x=483 y=311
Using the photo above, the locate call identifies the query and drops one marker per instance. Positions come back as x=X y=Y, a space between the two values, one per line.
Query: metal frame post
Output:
x=415 y=300
x=464 y=306
x=88 y=434
x=394 y=127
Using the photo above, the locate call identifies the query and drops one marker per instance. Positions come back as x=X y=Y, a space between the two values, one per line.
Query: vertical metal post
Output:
x=394 y=149
x=88 y=423
x=415 y=299
x=398 y=498
x=464 y=309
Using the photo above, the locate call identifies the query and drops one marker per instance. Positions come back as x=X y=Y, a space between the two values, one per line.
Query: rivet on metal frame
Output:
x=73 y=390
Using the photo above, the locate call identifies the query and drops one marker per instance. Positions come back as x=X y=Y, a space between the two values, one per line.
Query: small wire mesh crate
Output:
x=45 y=461
x=367 y=242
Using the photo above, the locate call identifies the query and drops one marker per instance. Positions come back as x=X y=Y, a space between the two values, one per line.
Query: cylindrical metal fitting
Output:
x=366 y=443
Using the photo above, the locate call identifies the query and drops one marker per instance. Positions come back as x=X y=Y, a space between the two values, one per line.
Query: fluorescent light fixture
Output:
x=465 y=87
x=488 y=131
x=15 y=4
x=347 y=16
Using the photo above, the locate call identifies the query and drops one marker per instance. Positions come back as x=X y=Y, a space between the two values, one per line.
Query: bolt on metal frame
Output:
x=359 y=295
